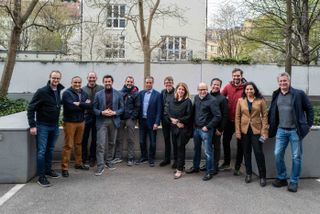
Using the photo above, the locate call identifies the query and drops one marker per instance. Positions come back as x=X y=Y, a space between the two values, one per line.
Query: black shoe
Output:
x=65 y=173
x=109 y=165
x=280 y=183
x=151 y=164
x=164 y=163
x=141 y=161
x=263 y=182
x=92 y=163
x=82 y=167
x=43 y=181
x=53 y=174
x=174 y=165
x=248 y=179
x=207 y=177
x=192 y=170
x=293 y=187
x=203 y=168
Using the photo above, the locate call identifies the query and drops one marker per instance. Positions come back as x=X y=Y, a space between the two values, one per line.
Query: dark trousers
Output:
x=145 y=131
x=250 y=141
x=180 y=139
x=167 y=134
x=227 y=136
x=216 y=141
x=89 y=127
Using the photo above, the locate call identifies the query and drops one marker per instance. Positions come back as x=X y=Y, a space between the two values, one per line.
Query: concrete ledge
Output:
x=17 y=150
x=310 y=164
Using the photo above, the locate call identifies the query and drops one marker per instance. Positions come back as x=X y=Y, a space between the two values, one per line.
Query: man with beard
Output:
x=128 y=121
x=107 y=106
x=90 y=121
x=233 y=91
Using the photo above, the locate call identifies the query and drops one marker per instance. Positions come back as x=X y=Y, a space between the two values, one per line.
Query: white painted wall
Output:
x=29 y=76
x=194 y=13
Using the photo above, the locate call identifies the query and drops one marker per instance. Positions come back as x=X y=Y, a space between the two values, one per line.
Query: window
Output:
x=116 y=16
x=115 y=48
x=173 y=48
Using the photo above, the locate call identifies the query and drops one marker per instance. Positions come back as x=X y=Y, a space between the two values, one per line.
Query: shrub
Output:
x=226 y=60
x=317 y=115
x=8 y=106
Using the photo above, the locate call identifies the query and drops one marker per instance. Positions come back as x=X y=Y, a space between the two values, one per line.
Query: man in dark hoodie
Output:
x=75 y=101
x=43 y=117
x=128 y=121
x=223 y=106
x=233 y=91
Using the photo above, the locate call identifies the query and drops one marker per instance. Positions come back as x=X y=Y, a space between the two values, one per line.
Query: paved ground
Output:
x=141 y=189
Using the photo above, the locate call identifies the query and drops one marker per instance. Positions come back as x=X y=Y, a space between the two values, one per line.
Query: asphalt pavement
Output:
x=144 y=189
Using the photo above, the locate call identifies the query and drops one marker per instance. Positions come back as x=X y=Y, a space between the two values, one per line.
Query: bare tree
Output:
x=276 y=18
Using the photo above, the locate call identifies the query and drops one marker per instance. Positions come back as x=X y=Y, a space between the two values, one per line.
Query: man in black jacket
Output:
x=167 y=95
x=223 y=106
x=207 y=117
x=290 y=118
x=128 y=121
x=45 y=107
x=90 y=121
x=75 y=101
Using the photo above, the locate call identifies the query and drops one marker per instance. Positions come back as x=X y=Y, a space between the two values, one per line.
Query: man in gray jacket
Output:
x=107 y=106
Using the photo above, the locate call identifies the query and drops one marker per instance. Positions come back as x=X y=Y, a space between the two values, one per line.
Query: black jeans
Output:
x=180 y=138
x=227 y=136
x=167 y=134
x=216 y=141
x=89 y=126
x=250 y=141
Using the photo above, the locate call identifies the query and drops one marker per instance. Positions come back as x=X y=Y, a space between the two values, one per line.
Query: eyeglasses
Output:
x=55 y=78
x=202 y=89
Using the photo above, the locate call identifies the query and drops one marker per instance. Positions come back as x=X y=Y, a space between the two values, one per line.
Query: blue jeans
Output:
x=47 y=136
x=283 y=137
x=205 y=138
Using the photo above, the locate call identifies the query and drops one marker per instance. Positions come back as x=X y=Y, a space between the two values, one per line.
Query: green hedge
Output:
x=317 y=115
x=224 y=60
x=12 y=106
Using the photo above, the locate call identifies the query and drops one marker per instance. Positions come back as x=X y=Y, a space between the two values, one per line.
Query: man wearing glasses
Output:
x=45 y=107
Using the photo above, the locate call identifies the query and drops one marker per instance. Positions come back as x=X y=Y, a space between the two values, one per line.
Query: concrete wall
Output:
x=28 y=76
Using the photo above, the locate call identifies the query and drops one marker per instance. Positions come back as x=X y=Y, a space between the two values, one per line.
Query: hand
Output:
x=218 y=133
x=88 y=101
x=205 y=129
x=155 y=127
x=238 y=136
x=174 y=120
x=76 y=103
x=109 y=113
x=180 y=125
x=33 y=131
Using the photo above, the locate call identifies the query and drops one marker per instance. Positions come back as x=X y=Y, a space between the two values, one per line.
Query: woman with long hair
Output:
x=251 y=124
x=180 y=115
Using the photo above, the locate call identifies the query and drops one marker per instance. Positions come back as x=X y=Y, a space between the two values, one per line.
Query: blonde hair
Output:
x=187 y=93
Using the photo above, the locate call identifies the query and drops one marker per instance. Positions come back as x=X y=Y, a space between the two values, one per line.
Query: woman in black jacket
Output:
x=180 y=115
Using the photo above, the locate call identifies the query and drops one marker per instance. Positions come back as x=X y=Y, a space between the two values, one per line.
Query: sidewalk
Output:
x=142 y=189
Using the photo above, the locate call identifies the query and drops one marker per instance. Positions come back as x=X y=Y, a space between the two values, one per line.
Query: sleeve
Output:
x=67 y=102
x=96 y=105
x=264 y=116
x=32 y=108
x=158 y=110
x=308 y=109
x=224 y=111
x=216 y=115
x=135 y=113
x=120 y=109
x=238 y=120
x=83 y=103
x=188 y=114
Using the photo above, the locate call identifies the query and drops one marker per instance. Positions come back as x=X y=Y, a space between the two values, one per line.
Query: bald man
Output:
x=207 y=117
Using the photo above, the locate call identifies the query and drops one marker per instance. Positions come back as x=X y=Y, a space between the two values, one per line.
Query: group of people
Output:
x=109 y=116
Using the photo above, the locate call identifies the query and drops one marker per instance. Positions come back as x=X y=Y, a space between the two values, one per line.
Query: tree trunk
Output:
x=146 y=60
x=288 y=63
x=10 y=61
x=304 y=31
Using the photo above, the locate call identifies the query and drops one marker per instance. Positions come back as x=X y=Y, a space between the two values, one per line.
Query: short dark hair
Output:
x=216 y=79
x=168 y=78
x=237 y=69
x=75 y=78
x=55 y=71
x=149 y=78
x=129 y=77
x=107 y=77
